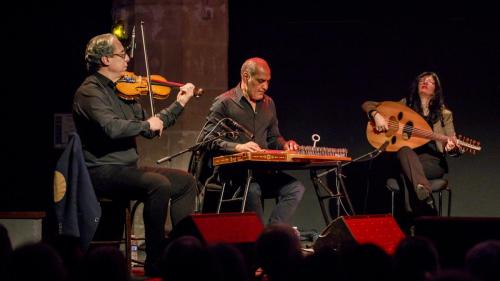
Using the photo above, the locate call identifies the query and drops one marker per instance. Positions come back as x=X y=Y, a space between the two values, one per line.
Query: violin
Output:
x=130 y=86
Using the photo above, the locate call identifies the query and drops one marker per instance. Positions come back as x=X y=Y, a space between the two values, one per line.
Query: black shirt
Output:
x=108 y=125
x=430 y=147
x=262 y=122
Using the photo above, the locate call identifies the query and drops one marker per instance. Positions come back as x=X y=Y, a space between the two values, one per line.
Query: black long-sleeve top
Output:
x=262 y=122
x=108 y=125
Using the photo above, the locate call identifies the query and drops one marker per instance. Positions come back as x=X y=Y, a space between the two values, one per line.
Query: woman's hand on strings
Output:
x=380 y=122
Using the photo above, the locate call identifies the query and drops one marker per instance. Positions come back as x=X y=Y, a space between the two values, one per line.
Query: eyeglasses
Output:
x=426 y=81
x=123 y=56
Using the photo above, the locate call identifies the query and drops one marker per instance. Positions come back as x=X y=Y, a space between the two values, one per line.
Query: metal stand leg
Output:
x=236 y=197
x=247 y=186
x=339 y=184
x=317 y=183
x=221 y=198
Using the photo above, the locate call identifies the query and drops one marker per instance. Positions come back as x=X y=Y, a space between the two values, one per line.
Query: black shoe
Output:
x=430 y=203
x=428 y=207
x=422 y=192
x=152 y=264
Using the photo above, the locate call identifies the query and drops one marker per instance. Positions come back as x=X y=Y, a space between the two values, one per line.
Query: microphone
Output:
x=245 y=131
x=132 y=43
x=231 y=133
x=223 y=125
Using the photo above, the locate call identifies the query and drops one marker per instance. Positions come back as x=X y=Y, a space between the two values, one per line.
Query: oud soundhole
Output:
x=400 y=115
x=407 y=130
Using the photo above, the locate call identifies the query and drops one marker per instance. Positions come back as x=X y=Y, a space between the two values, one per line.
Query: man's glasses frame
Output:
x=123 y=56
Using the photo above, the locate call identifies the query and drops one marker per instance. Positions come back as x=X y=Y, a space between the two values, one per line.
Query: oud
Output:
x=408 y=128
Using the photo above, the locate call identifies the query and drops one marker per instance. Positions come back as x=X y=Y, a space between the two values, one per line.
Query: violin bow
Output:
x=150 y=90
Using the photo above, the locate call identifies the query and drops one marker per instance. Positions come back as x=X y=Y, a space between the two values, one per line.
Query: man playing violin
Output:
x=108 y=126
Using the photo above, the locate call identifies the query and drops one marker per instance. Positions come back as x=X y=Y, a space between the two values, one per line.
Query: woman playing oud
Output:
x=428 y=161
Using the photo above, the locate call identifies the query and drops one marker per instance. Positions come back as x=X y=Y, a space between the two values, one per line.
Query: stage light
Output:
x=119 y=30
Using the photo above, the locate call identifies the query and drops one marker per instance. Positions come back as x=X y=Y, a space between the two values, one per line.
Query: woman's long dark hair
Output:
x=436 y=104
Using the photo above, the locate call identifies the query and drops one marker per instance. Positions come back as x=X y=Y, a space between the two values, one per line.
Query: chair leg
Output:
x=132 y=237
x=449 y=202
x=128 y=238
x=245 y=192
x=132 y=213
x=221 y=197
x=200 y=198
x=392 y=202
x=440 y=207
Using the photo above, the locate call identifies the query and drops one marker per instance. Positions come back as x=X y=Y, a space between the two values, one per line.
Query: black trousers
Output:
x=155 y=187
x=418 y=168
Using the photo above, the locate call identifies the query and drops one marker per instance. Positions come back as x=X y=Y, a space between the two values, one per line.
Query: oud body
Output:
x=408 y=128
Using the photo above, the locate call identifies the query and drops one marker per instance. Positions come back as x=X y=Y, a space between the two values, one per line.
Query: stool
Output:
x=210 y=185
x=437 y=185
x=214 y=183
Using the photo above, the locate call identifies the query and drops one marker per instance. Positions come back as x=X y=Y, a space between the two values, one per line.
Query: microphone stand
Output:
x=369 y=156
x=339 y=183
x=220 y=135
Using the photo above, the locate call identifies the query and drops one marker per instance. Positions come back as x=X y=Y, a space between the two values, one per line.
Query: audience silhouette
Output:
x=226 y=263
x=5 y=248
x=278 y=257
x=452 y=275
x=183 y=259
x=35 y=261
x=365 y=262
x=71 y=253
x=279 y=252
x=483 y=260
x=415 y=259
x=104 y=263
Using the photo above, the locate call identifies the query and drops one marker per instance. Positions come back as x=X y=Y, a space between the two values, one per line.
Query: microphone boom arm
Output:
x=219 y=135
x=194 y=147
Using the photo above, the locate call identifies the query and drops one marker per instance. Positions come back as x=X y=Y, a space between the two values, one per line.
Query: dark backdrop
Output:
x=326 y=60
x=43 y=47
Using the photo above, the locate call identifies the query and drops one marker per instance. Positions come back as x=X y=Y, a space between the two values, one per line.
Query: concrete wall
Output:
x=186 y=41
